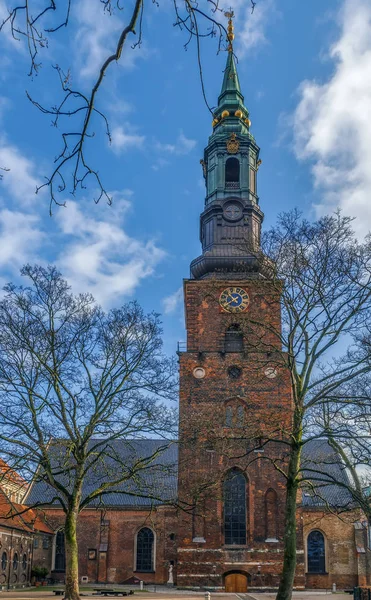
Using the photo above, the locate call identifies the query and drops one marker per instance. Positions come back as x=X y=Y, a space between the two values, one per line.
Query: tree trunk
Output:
x=72 y=565
x=289 y=540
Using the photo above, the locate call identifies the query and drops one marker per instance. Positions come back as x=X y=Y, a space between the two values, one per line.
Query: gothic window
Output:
x=316 y=552
x=24 y=562
x=271 y=515
x=60 y=555
x=233 y=339
x=232 y=173
x=15 y=562
x=229 y=416
x=240 y=416
x=145 y=547
x=4 y=561
x=235 y=508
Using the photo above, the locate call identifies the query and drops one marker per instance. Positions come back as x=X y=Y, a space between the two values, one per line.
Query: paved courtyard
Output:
x=168 y=594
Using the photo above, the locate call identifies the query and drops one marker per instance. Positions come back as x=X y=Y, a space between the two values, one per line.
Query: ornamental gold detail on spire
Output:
x=230 y=29
x=233 y=145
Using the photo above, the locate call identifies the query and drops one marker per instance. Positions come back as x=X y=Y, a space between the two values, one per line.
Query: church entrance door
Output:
x=236 y=582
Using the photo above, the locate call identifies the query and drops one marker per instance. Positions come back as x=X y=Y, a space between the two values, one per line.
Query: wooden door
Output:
x=236 y=582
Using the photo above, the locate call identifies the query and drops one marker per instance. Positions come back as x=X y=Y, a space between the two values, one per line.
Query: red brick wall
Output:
x=117 y=564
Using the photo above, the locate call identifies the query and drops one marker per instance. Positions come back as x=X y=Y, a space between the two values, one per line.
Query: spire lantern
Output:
x=231 y=221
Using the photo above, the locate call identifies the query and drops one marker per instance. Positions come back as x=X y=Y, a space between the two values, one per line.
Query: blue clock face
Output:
x=234 y=299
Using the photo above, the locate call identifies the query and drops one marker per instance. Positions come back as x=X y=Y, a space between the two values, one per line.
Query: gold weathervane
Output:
x=230 y=29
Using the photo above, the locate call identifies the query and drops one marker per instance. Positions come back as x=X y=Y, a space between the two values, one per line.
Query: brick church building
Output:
x=227 y=531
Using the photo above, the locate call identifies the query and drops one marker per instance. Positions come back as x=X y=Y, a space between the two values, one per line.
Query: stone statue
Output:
x=170 y=581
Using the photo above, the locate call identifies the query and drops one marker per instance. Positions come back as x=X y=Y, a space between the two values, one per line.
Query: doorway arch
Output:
x=236 y=582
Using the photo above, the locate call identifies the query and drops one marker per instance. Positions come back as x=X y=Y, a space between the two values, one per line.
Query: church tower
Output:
x=235 y=400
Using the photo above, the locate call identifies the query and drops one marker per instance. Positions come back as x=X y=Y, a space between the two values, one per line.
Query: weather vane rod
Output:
x=230 y=29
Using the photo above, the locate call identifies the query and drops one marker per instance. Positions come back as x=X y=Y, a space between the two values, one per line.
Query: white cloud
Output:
x=123 y=139
x=332 y=120
x=171 y=303
x=183 y=145
x=19 y=180
x=99 y=256
x=20 y=238
x=250 y=27
x=97 y=38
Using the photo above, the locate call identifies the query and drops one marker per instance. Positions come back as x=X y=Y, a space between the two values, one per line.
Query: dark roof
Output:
x=155 y=484
x=323 y=467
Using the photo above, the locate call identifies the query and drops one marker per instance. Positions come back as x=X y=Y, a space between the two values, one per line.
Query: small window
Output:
x=4 y=561
x=36 y=542
x=45 y=543
x=233 y=339
x=145 y=546
x=229 y=416
x=15 y=562
x=316 y=552
x=24 y=562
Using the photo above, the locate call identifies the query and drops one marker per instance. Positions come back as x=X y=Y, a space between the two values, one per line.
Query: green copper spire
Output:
x=231 y=91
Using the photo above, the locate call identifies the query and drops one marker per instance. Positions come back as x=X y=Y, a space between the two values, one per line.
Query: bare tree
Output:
x=323 y=277
x=35 y=25
x=73 y=380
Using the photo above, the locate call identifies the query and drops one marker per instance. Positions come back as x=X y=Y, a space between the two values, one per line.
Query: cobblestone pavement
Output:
x=161 y=594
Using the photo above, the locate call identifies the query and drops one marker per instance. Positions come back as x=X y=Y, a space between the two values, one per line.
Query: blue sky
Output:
x=304 y=69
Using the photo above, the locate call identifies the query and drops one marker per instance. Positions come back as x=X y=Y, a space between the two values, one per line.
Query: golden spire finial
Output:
x=230 y=34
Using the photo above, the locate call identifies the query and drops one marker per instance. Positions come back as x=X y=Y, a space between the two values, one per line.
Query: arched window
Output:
x=145 y=547
x=240 y=416
x=232 y=173
x=15 y=562
x=4 y=561
x=24 y=562
x=316 y=552
x=271 y=515
x=233 y=339
x=229 y=416
x=235 y=508
x=60 y=554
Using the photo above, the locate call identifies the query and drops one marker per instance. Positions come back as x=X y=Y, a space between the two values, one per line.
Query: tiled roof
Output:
x=323 y=467
x=155 y=484
x=19 y=516
x=9 y=474
x=159 y=480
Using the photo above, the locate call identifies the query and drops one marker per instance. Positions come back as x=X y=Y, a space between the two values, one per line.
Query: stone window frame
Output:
x=326 y=571
x=154 y=549
x=4 y=560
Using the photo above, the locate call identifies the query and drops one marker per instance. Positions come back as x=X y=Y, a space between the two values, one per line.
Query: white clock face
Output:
x=270 y=372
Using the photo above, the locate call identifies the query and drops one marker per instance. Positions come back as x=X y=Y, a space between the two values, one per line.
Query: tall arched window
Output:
x=316 y=552
x=235 y=508
x=60 y=554
x=232 y=173
x=271 y=515
x=4 y=561
x=233 y=339
x=145 y=548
